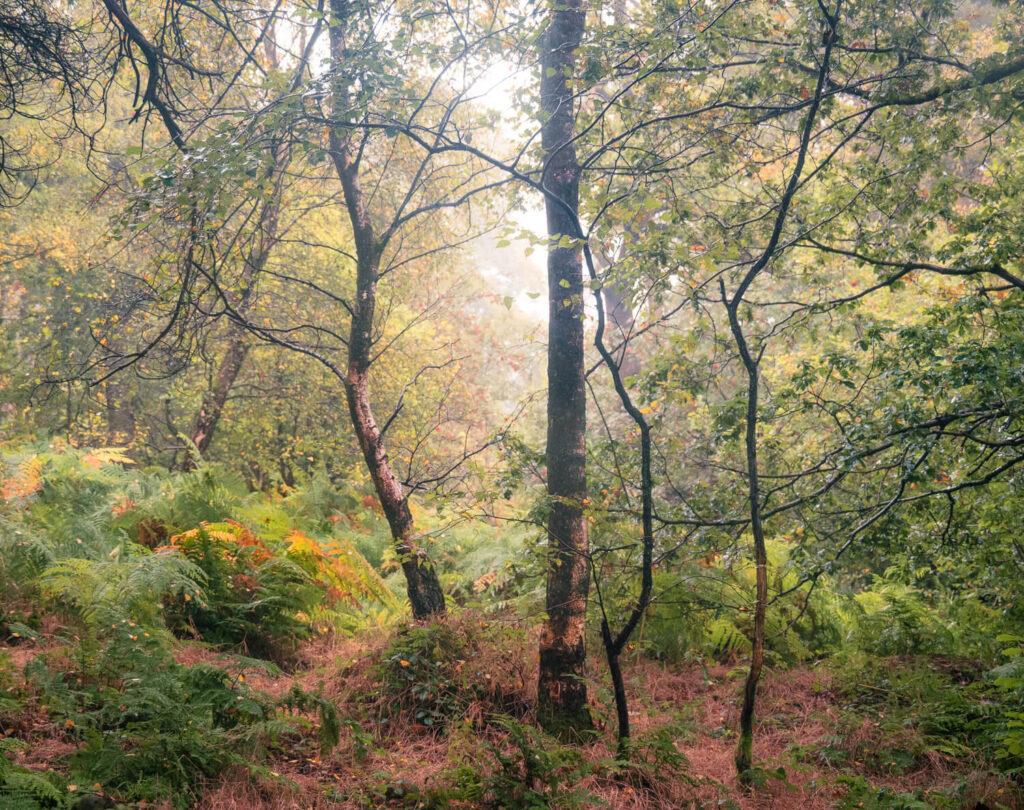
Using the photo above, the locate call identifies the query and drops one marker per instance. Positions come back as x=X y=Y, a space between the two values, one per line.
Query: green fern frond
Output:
x=104 y=592
x=30 y=789
x=725 y=638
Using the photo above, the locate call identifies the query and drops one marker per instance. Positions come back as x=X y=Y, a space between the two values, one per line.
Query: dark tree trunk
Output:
x=614 y=645
x=120 y=416
x=422 y=584
x=562 y=692
x=751 y=363
x=618 y=317
x=745 y=748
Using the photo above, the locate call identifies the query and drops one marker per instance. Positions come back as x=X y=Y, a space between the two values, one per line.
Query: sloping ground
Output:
x=809 y=742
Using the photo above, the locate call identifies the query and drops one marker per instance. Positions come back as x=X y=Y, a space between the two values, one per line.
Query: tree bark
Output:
x=214 y=399
x=422 y=584
x=562 y=691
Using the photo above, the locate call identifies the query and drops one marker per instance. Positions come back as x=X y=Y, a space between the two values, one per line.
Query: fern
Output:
x=188 y=499
x=24 y=555
x=106 y=593
x=725 y=639
x=20 y=787
x=707 y=606
x=252 y=598
x=22 y=479
x=152 y=727
x=895 y=620
x=23 y=788
x=341 y=569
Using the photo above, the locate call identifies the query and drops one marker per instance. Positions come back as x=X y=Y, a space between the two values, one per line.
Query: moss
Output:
x=568 y=725
x=744 y=756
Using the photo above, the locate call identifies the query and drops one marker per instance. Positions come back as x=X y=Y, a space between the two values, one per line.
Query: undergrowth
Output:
x=112 y=570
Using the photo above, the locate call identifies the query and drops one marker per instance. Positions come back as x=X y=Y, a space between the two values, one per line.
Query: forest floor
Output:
x=817 y=747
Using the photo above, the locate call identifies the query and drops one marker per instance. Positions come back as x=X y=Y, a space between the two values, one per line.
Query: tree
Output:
x=59 y=65
x=38 y=45
x=424 y=589
x=383 y=236
x=562 y=693
x=738 y=214
x=259 y=245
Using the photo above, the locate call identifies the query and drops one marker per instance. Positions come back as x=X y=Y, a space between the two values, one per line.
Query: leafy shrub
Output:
x=862 y=794
x=464 y=666
x=535 y=773
x=925 y=708
x=416 y=673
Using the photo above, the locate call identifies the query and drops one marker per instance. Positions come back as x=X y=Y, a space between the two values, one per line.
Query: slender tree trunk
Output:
x=751 y=362
x=618 y=314
x=214 y=399
x=745 y=748
x=614 y=645
x=422 y=584
x=562 y=691
x=212 y=406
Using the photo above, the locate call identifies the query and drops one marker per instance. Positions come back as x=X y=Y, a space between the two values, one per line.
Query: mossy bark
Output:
x=562 y=690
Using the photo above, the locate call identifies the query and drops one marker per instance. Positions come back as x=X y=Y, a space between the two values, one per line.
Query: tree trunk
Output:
x=422 y=584
x=265 y=237
x=618 y=314
x=745 y=748
x=120 y=417
x=214 y=399
x=613 y=646
x=562 y=690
